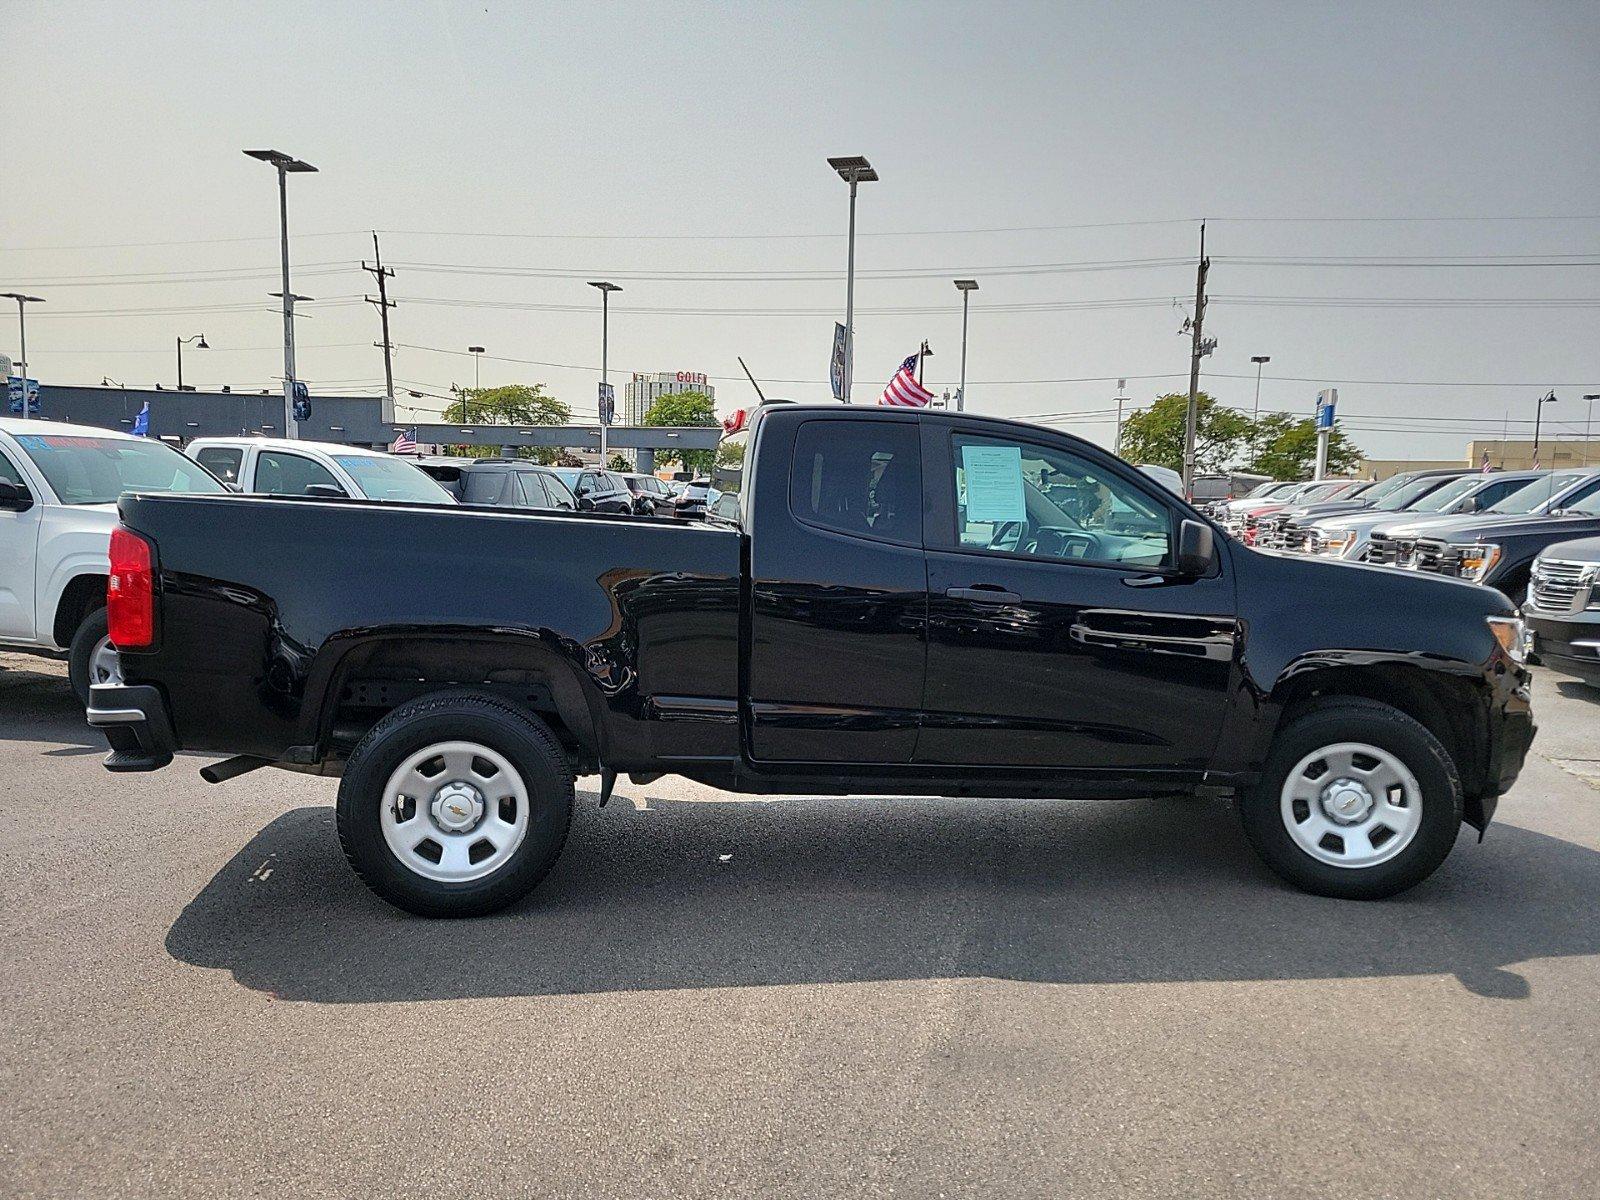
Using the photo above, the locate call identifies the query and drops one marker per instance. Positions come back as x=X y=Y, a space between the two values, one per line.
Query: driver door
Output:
x=1059 y=634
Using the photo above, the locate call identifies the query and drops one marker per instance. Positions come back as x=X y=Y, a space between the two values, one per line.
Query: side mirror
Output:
x=326 y=491
x=1197 y=552
x=1469 y=505
x=14 y=497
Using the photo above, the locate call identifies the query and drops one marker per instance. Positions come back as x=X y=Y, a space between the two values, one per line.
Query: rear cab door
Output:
x=837 y=589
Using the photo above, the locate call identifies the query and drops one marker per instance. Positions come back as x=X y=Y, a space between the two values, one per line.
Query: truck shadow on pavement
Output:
x=722 y=894
x=39 y=706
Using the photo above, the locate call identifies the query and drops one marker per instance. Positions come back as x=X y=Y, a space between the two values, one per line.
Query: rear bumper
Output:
x=1569 y=645
x=135 y=722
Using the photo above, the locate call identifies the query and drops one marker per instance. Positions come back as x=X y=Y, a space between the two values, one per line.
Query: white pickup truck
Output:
x=58 y=502
x=266 y=466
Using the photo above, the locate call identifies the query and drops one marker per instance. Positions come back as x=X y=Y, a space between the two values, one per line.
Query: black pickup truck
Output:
x=903 y=603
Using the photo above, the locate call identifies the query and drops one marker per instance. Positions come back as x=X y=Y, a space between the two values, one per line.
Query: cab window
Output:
x=859 y=477
x=1017 y=497
x=279 y=473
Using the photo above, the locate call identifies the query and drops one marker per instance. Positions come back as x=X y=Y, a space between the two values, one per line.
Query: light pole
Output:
x=853 y=170
x=1538 y=412
x=199 y=337
x=1116 y=440
x=22 y=336
x=1588 y=420
x=1260 y=361
x=966 y=287
x=605 y=344
x=285 y=164
x=477 y=382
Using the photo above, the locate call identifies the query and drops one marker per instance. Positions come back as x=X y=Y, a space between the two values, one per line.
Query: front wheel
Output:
x=1357 y=801
x=455 y=805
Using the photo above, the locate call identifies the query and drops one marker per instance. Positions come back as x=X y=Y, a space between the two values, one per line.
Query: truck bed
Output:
x=288 y=615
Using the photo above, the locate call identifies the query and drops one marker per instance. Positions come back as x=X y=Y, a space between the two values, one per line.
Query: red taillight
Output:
x=130 y=592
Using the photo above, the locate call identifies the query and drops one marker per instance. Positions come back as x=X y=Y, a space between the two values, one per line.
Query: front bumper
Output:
x=1570 y=645
x=134 y=719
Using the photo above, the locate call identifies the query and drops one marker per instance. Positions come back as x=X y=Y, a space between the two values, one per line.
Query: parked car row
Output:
x=1529 y=534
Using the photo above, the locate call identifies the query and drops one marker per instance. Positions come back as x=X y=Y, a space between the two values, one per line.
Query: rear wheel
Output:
x=455 y=805
x=1357 y=801
x=92 y=658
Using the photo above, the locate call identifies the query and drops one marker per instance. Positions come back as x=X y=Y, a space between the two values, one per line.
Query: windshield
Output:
x=1265 y=489
x=1379 y=490
x=96 y=470
x=1412 y=492
x=567 y=475
x=392 y=479
x=1529 y=497
x=1442 y=499
x=1589 y=505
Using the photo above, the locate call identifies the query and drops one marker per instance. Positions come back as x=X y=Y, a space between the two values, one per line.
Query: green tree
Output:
x=510 y=404
x=685 y=408
x=1285 y=447
x=1155 y=435
x=618 y=463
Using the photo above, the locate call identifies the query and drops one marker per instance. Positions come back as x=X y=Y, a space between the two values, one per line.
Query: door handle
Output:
x=984 y=593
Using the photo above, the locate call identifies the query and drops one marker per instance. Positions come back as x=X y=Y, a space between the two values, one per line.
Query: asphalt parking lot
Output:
x=715 y=995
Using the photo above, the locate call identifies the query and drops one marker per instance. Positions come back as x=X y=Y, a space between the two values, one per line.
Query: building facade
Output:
x=639 y=393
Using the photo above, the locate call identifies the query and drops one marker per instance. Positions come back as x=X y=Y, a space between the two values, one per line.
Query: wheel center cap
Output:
x=457 y=806
x=1346 y=801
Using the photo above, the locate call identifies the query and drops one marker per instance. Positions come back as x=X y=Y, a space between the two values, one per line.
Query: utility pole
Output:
x=1197 y=350
x=383 y=274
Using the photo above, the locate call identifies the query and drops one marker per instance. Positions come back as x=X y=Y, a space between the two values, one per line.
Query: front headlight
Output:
x=1478 y=560
x=1334 y=542
x=1511 y=634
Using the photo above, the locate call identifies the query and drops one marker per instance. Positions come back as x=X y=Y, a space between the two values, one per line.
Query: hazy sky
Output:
x=648 y=142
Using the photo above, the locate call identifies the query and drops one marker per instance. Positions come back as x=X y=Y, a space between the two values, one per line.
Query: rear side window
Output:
x=484 y=487
x=859 y=477
x=222 y=461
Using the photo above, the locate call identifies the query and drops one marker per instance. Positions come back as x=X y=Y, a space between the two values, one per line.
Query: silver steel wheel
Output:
x=454 y=811
x=1351 y=805
x=104 y=666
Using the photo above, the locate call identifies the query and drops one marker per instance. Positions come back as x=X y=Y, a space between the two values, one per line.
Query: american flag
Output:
x=405 y=442
x=904 y=391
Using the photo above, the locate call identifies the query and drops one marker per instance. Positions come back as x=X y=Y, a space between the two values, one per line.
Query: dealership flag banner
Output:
x=405 y=442
x=904 y=391
x=141 y=423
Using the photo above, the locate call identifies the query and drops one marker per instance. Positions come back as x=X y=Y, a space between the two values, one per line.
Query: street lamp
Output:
x=200 y=338
x=1538 y=412
x=22 y=336
x=852 y=169
x=966 y=287
x=605 y=345
x=477 y=382
x=1260 y=361
x=1588 y=420
x=285 y=165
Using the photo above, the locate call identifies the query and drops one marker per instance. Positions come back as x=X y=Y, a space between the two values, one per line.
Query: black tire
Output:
x=503 y=727
x=1380 y=726
x=91 y=631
